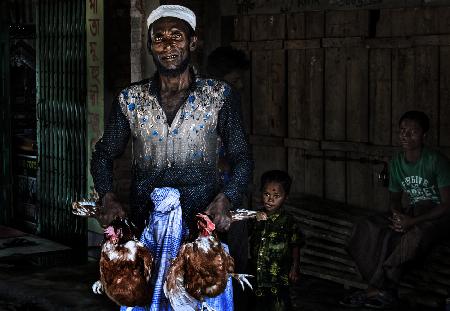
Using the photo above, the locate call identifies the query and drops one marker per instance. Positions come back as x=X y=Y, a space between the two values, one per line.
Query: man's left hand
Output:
x=401 y=222
x=219 y=210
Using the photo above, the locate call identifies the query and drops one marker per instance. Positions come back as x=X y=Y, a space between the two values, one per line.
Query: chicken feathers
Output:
x=125 y=266
x=200 y=270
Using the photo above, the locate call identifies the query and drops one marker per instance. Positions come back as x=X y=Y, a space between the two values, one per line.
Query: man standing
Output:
x=229 y=64
x=175 y=120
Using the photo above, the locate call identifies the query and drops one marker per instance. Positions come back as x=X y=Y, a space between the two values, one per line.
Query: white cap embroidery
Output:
x=177 y=11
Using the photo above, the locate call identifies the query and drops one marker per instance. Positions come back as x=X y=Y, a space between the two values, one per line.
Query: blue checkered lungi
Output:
x=163 y=236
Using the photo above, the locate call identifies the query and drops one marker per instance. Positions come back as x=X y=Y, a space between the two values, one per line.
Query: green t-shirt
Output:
x=271 y=248
x=422 y=179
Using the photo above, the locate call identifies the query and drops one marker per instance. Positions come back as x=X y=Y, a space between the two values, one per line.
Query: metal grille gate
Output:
x=5 y=128
x=61 y=100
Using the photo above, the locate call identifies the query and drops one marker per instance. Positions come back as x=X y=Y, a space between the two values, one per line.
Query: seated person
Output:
x=381 y=245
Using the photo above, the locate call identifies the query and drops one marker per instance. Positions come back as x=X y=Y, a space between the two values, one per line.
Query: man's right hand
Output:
x=110 y=209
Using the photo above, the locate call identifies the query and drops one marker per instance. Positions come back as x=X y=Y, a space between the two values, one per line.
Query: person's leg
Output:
x=237 y=239
x=369 y=245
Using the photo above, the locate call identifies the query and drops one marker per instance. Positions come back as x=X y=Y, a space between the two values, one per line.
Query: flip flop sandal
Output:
x=382 y=300
x=355 y=299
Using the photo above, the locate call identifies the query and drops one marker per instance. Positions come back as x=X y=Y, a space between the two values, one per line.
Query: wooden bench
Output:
x=328 y=225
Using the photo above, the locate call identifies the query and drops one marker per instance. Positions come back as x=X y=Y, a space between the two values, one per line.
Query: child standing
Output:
x=275 y=245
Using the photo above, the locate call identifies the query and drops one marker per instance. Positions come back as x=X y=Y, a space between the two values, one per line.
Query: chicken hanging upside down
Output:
x=201 y=269
x=125 y=266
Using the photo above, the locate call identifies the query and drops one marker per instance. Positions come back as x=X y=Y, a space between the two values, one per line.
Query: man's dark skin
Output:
x=412 y=139
x=171 y=45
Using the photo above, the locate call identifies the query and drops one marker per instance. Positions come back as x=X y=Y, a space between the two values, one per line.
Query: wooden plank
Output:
x=324 y=211
x=426 y=88
x=347 y=23
x=381 y=43
x=359 y=190
x=240 y=45
x=314 y=93
x=302 y=44
x=327 y=246
x=403 y=64
x=266 y=140
x=241 y=28
x=357 y=119
x=315 y=24
x=268 y=27
x=314 y=174
x=324 y=235
x=268 y=93
x=302 y=143
x=384 y=24
x=314 y=224
x=328 y=42
x=276 y=6
x=380 y=96
x=403 y=22
x=335 y=94
x=335 y=177
x=325 y=263
x=267 y=158
x=305 y=96
x=341 y=259
x=246 y=97
x=365 y=149
x=444 y=20
x=296 y=26
x=296 y=169
x=296 y=93
x=347 y=279
x=265 y=45
x=427 y=21
x=444 y=95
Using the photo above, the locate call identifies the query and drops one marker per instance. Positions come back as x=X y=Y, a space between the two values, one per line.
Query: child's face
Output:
x=273 y=197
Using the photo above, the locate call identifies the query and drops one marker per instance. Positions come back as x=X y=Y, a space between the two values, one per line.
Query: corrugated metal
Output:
x=61 y=97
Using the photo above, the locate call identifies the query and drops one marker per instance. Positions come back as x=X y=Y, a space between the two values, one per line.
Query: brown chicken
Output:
x=201 y=269
x=125 y=266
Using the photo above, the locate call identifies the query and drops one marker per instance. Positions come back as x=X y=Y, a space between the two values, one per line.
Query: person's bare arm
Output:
x=219 y=210
x=405 y=222
x=110 y=209
x=294 y=274
x=396 y=202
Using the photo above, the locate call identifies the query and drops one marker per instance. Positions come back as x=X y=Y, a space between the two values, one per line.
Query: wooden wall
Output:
x=327 y=88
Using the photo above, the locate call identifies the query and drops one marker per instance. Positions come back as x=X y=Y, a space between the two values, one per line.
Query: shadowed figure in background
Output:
x=381 y=245
x=229 y=64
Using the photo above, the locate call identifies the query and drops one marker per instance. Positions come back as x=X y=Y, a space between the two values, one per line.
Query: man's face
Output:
x=170 y=43
x=411 y=135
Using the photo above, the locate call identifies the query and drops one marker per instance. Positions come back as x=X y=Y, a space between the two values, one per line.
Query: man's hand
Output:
x=261 y=216
x=110 y=209
x=219 y=210
x=401 y=222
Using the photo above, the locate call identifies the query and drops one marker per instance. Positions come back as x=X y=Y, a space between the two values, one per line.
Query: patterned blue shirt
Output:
x=182 y=155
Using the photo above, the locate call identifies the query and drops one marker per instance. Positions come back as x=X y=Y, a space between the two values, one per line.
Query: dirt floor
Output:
x=25 y=286
x=38 y=275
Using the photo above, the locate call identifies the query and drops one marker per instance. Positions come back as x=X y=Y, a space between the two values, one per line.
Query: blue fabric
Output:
x=163 y=236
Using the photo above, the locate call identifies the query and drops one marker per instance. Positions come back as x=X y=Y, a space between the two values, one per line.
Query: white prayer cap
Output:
x=177 y=11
